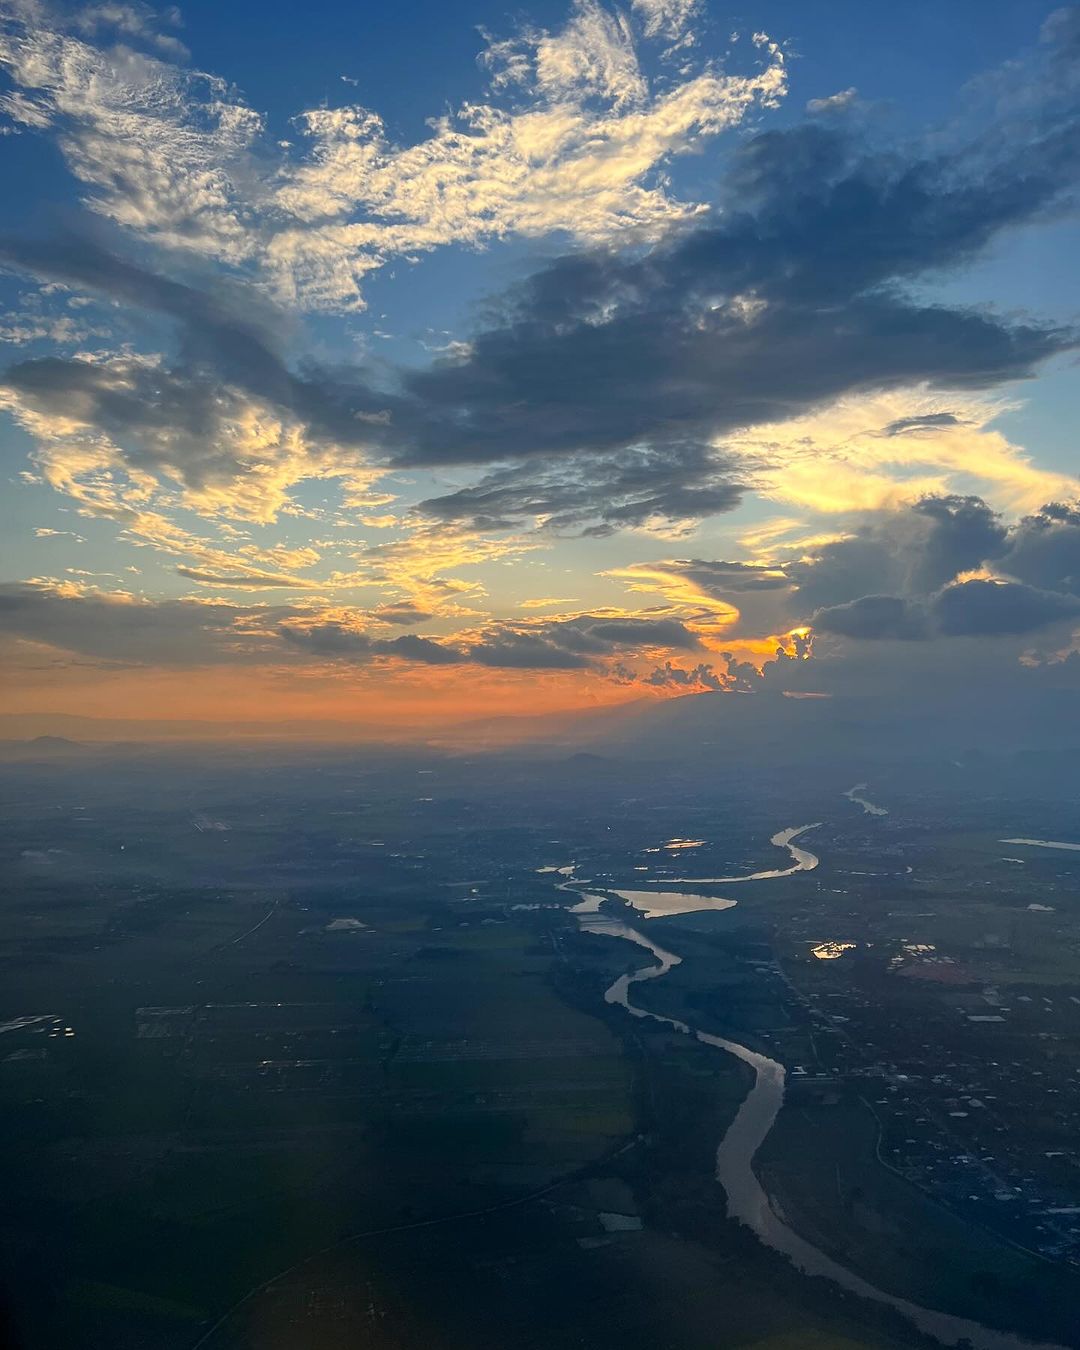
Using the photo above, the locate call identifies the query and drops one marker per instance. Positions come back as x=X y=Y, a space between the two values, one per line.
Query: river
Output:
x=853 y=794
x=747 y=1200
x=1043 y=843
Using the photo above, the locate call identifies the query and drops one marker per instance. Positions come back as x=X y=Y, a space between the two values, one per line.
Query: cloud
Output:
x=421 y=565
x=230 y=452
x=714 y=342
x=667 y=18
x=135 y=21
x=883 y=449
x=500 y=647
x=736 y=676
x=592 y=57
x=694 y=580
x=977 y=608
x=939 y=568
x=724 y=601
x=596 y=494
x=577 y=155
x=646 y=382
x=403 y=613
x=762 y=314
x=872 y=616
x=982 y=608
x=575 y=642
x=945 y=567
x=1044 y=549
x=254 y=580
x=525 y=651
x=159 y=148
x=632 y=632
x=903 y=426
x=178 y=157
x=63 y=330
x=120 y=628
x=335 y=639
x=833 y=103
x=699 y=678
x=546 y=602
x=912 y=551
x=651 y=386
x=45 y=532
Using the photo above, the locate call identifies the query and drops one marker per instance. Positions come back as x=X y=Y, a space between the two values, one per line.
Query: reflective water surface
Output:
x=747 y=1200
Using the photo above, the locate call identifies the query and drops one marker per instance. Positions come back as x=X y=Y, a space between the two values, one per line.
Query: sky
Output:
x=390 y=369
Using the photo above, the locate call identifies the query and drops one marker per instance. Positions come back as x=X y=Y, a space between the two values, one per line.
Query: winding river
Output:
x=747 y=1200
x=854 y=794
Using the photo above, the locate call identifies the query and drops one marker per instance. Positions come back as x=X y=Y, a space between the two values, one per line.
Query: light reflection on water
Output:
x=659 y=904
x=802 y=861
x=831 y=951
x=1043 y=843
x=853 y=794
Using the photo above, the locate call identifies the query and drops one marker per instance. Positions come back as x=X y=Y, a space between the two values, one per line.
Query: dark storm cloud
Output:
x=961 y=533
x=226 y=347
x=873 y=616
x=612 y=373
x=909 y=552
x=790 y=298
x=891 y=578
x=977 y=608
x=994 y=608
x=1044 y=549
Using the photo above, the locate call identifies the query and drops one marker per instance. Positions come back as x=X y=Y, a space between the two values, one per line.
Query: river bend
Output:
x=747 y=1200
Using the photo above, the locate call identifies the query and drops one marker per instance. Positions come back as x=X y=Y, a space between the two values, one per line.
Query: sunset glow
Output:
x=396 y=409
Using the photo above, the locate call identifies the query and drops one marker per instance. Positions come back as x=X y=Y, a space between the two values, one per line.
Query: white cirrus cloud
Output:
x=156 y=145
x=667 y=18
x=570 y=138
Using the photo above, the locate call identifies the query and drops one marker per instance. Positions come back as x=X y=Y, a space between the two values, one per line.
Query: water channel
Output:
x=747 y=1200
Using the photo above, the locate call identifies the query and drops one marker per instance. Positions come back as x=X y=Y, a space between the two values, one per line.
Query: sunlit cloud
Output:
x=879 y=451
x=750 y=422
x=178 y=157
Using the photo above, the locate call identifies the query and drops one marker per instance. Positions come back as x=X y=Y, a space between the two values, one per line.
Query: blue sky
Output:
x=411 y=360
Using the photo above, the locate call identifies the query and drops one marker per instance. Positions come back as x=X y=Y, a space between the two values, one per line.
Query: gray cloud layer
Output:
x=183 y=633
x=576 y=643
x=974 y=608
x=891 y=580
